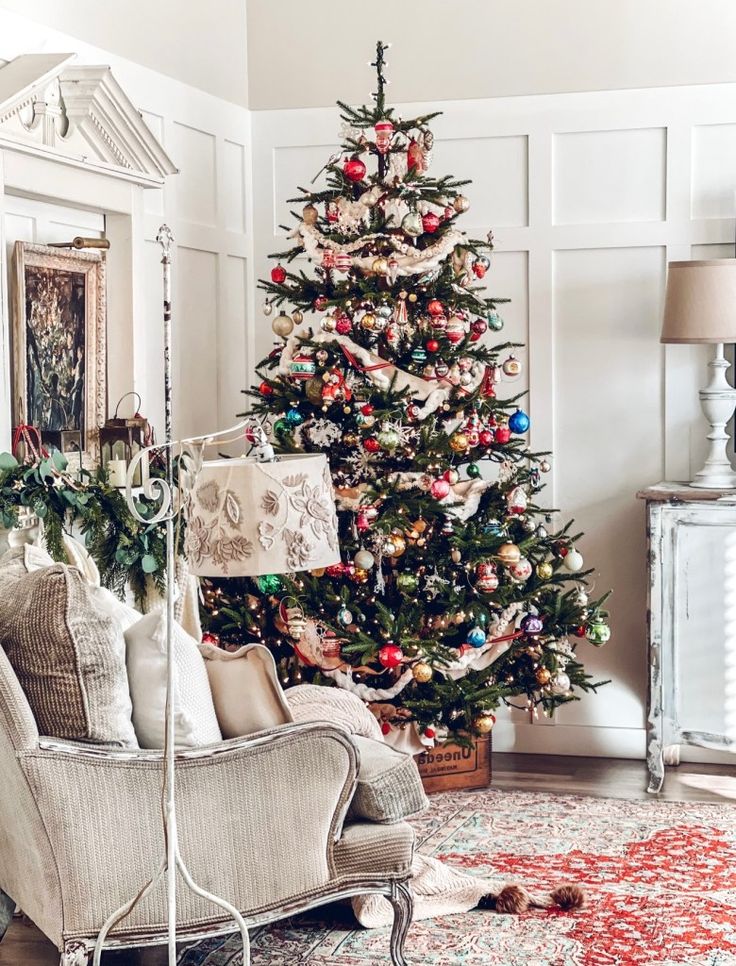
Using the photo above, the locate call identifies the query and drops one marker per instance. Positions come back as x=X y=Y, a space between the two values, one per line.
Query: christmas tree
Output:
x=453 y=596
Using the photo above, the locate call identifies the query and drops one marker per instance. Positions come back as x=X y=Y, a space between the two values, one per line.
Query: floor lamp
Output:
x=222 y=496
x=163 y=490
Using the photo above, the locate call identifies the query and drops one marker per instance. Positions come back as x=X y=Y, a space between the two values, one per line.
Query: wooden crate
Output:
x=451 y=767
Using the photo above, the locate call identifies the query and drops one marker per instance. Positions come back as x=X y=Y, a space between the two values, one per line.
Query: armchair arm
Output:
x=258 y=818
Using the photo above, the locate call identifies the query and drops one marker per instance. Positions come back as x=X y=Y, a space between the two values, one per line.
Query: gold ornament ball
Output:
x=397 y=539
x=328 y=324
x=351 y=440
x=360 y=575
x=484 y=723
x=368 y=321
x=412 y=296
x=456 y=555
x=282 y=325
x=509 y=553
x=297 y=317
x=543 y=675
x=422 y=672
x=310 y=215
x=459 y=442
x=461 y=204
x=380 y=266
x=544 y=570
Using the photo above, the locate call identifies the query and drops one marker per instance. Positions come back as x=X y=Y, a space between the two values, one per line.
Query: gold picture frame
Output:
x=59 y=336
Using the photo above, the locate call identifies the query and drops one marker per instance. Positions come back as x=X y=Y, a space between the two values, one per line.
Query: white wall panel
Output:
x=195 y=351
x=196 y=182
x=292 y=166
x=233 y=185
x=713 y=165
x=609 y=176
x=608 y=365
x=498 y=169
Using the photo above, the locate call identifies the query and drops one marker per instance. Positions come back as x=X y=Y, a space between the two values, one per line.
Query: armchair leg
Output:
x=75 y=954
x=403 y=903
x=7 y=908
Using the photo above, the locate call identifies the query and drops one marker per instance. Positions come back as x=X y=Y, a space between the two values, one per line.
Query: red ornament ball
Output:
x=354 y=169
x=320 y=303
x=479 y=269
x=485 y=437
x=432 y=345
x=208 y=638
x=265 y=389
x=479 y=325
x=390 y=655
x=343 y=325
x=278 y=274
x=430 y=222
x=430 y=733
x=579 y=631
x=336 y=570
x=435 y=308
x=386 y=728
x=503 y=434
x=367 y=409
x=371 y=444
x=439 y=489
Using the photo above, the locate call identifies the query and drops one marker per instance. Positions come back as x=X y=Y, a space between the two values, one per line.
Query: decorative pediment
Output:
x=48 y=104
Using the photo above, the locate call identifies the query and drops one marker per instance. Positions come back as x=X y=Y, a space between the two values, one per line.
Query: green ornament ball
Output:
x=281 y=428
x=473 y=471
x=407 y=583
x=495 y=322
x=269 y=583
x=598 y=632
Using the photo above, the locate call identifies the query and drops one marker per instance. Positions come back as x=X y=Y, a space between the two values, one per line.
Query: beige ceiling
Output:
x=305 y=53
x=200 y=42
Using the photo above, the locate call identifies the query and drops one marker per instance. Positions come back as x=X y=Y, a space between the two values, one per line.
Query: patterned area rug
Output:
x=660 y=880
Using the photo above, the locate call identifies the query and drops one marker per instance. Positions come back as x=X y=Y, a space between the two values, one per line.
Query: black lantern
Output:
x=120 y=439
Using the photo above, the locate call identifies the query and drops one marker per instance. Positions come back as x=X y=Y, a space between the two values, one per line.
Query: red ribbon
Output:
x=356 y=365
x=22 y=434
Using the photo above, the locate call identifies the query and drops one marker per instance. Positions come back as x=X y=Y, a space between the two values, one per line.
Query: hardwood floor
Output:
x=24 y=945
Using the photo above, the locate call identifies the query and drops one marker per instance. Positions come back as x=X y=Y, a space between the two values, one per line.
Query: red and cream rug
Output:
x=660 y=881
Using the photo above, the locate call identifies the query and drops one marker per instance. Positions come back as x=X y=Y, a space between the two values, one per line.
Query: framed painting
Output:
x=59 y=353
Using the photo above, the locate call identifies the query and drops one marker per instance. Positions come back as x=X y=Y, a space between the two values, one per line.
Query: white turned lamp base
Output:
x=718 y=400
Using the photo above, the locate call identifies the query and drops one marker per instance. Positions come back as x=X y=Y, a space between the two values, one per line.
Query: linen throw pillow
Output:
x=68 y=655
x=246 y=690
x=195 y=722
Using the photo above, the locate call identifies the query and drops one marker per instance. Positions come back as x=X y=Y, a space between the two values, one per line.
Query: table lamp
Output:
x=700 y=306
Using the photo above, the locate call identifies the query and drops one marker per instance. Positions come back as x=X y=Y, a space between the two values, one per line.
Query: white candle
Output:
x=117 y=472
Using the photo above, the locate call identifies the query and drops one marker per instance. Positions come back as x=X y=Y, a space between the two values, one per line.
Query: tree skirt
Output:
x=660 y=881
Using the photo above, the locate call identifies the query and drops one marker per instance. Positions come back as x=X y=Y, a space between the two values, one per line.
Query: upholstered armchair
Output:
x=262 y=822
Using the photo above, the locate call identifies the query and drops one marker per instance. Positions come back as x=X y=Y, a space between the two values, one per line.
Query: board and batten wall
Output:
x=207 y=206
x=589 y=196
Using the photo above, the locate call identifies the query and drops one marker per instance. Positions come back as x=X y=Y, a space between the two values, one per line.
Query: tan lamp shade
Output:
x=248 y=518
x=700 y=305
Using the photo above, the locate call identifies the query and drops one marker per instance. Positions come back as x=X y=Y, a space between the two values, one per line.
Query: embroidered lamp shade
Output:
x=249 y=518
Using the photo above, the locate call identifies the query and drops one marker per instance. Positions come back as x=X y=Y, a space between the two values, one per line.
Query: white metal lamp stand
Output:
x=163 y=490
x=700 y=307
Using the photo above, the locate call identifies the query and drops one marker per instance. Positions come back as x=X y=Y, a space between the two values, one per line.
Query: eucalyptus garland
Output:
x=126 y=551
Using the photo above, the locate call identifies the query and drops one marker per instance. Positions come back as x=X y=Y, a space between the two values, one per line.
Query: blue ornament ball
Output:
x=294 y=417
x=476 y=637
x=519 y=422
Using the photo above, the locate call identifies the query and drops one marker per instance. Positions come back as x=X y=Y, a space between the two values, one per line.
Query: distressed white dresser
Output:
x=692 y=622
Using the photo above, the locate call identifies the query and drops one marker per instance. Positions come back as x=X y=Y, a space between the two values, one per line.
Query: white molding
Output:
x=77 y=114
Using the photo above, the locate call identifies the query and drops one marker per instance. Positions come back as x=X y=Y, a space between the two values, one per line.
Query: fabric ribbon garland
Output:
x=24 y=433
